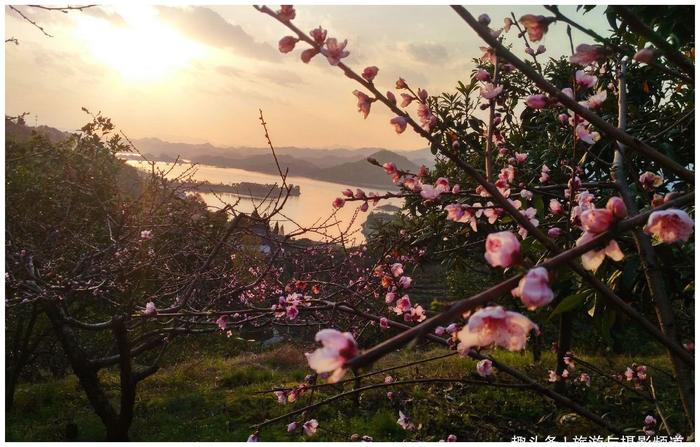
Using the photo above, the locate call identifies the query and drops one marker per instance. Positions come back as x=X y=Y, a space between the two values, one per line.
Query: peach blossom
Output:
x=617 y=207
x=502 y=249
x=533 y=289
x=369 y=73
x=670 y=226
x=497 y=326
x=335 y=51
x=536 y=26
x=484 y=368
x=586 y=54
x=399 y=123
x=592 y=259
x=337 y=348
x=596 y=220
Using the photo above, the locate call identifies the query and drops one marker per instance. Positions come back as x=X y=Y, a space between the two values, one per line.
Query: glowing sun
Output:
x=142 y=49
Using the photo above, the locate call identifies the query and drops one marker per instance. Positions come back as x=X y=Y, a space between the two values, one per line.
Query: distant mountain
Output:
x=361 y=173
x=337 y=165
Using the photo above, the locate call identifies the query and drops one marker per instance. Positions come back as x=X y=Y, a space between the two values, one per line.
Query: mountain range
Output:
x=337 y=165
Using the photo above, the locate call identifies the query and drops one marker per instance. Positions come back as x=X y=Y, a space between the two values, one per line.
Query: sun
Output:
x=143 y=49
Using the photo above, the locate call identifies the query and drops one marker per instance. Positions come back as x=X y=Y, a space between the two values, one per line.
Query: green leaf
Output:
x=569 y=303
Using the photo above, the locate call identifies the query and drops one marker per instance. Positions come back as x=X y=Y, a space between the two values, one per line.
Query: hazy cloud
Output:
x=428 y=53
x=207 y=26
x=101 y=13
x=278 y=77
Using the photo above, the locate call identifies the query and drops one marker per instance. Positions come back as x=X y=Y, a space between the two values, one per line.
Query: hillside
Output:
x=338 y=165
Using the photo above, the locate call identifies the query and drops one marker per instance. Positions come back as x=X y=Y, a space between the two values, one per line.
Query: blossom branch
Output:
x=612 y=131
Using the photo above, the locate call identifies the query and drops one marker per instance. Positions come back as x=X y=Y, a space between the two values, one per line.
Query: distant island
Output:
x=247 y=189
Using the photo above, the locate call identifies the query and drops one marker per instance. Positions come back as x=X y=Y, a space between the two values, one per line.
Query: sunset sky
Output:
x=200 y=74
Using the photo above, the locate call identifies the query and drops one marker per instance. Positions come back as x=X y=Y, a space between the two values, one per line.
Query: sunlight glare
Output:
x=144 y=49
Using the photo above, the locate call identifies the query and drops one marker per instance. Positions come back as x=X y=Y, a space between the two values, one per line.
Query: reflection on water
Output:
x=311 y=208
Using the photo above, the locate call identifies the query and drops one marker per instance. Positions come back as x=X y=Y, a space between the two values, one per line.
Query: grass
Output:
x=209 y=397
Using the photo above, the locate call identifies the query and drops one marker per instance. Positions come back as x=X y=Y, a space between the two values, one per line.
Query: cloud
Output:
x=277 y=77
x=207 y=26
x=101 y=13
x=428 y=53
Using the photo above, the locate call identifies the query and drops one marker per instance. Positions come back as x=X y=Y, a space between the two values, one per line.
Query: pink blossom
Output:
x=502 y=249
x=292 y=312
x=536 y=101
x=554 y=232
x=536 y=26
x=430 y=193
x=397 y=269
x=401 y=84
x=525 y=194
x=255 y=437
x=553 y=376
x=222 y=321
x=406 y=99
x=405 y=422
x=417 y=314
x=399 y=123
x=292 y=427
x=520 y=157
x=533 y=289
x=335 y=51
x=585 y=80
x=650 y=420
x=347 y=193
x=454 y=211
x=369 y=73
x=405 y=282
x=337 y=348
x=617 y=207
x=281 y=397
x=540 y=49
x=390 y=297
x=308 y=54
x=597 y=100
x=440 y=331
x=482 y=75
x=645 y=55
x=286 y=13
x=364 y=103
x=490 y=91
x=384 y=323
x=649 y=180
x=544 y=174
x=442 y=184
x=452 y=328
x=360 y=194
x=495 y=325
x=456 y=189
x=389 y=168
x=428 y=120
x=422 y=171
x=592 y=259
x=310 y=427
x=146 y=235
x=403 y=305
x=287 y=43
x=555 y=207
x=586 y=54
x=563 y=117
x=391 y=97
x=585 y=379
x=484 y=368
x=422 y=94
x=670 y=226
x=596 y=220
x=585 y=135
x=452 y=438
x=150 y=309
x=318 y=35
x=338 y=202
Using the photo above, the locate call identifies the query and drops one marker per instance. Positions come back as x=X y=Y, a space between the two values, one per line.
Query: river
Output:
x=312 y=207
